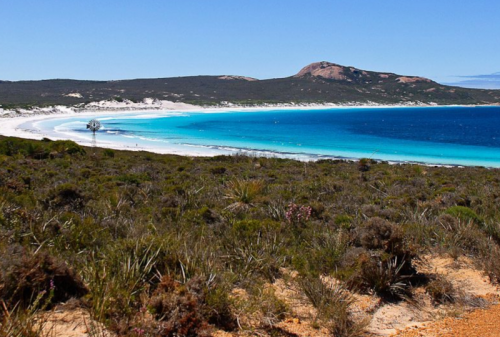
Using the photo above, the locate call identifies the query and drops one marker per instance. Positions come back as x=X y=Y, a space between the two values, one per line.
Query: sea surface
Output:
x=432 y=135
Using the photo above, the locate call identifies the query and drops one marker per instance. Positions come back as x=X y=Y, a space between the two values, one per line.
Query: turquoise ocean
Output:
x=432 y=135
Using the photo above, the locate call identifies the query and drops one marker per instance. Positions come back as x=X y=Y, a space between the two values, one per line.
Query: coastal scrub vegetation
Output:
x=161 y=245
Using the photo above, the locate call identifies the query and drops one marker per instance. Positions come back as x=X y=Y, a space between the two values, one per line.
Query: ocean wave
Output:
x=309 y=156
x=152 y=116
x=69 y=126
x=271 y=153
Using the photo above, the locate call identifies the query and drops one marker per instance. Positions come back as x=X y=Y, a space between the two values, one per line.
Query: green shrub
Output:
x=133 y=179
x=464 y=213
x=343 y=220
x=109 y=153
x=364 y=164
x=67 y=146
x=217 y=306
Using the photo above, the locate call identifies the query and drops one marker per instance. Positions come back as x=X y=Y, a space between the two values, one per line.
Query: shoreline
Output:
x=12 y=119
x=11 y=126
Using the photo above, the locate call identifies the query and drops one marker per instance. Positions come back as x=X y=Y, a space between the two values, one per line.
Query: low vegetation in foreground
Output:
x=163 y=245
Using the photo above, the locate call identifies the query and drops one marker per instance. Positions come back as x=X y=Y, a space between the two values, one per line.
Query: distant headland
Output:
x=317 y=83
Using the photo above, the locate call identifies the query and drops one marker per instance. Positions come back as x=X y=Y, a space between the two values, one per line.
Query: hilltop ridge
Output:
x=333 y=71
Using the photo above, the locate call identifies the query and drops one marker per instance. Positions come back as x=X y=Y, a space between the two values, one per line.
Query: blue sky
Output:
x=111 y=39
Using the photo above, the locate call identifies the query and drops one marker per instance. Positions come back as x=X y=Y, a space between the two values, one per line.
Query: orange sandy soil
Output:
x=479 y=323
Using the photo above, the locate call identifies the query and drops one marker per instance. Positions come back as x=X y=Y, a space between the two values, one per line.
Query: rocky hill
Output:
x=316 y=83
x=332 y=71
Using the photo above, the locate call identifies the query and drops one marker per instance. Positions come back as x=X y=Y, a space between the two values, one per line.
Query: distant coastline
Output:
x=150 y=104
x=154 y=104
x=23 y=124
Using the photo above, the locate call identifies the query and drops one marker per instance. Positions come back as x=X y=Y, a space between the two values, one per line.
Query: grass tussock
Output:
x=333 y=303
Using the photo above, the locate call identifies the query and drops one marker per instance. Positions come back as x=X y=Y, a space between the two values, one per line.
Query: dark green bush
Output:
x=67 y=194
x=218 y=170
x=383 y=262
x=108 y=153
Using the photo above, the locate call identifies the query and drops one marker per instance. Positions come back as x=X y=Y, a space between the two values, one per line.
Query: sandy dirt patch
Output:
x=72 y=323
